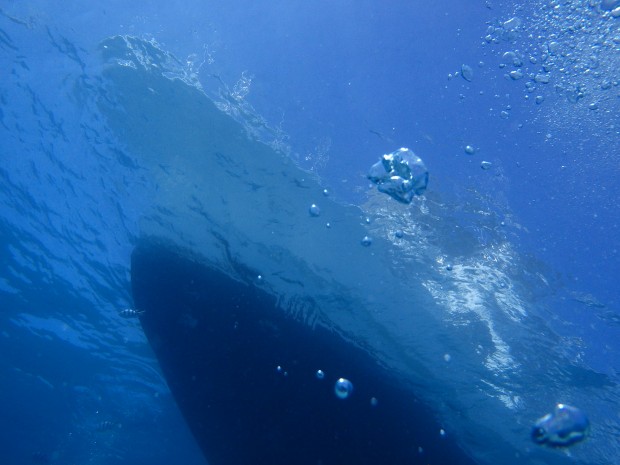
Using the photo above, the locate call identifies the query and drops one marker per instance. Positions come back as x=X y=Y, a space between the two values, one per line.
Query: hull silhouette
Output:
x=244 y=374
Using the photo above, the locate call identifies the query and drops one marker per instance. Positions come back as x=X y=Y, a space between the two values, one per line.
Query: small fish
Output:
x=130 y=313
x=563 y=427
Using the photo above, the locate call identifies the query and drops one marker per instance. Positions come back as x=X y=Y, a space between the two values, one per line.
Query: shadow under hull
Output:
x=244 y=375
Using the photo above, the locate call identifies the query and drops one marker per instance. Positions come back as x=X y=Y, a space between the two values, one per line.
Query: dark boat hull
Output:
x=244 y=374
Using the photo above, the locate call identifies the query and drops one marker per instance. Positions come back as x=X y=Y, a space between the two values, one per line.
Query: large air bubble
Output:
x=400 y=174
x=563 y=427
x=343 y=388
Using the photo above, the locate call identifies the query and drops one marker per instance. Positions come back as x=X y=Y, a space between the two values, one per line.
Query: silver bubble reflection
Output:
x=314 y=210
x=343 y=388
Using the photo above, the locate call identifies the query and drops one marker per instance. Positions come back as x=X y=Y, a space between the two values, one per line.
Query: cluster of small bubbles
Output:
x=512 y=24
x=343 y=388
x=280 y=370
x=470 y=150
x=573 y=94
x=507 y=31
x=485 y=165
x=320 y=374
x=374 y=401
x=574 y=45
x=242 y=88
x=366 y=241
x=314 y=210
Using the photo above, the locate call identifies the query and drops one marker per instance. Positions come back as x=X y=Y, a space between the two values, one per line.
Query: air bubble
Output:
x=485 y=165
x=314 y=210
x=470 y=150
x=516 y=75
x=343 y=388
x=320 y=374
x=565 y=426
x=467 y=72
x=366 y=241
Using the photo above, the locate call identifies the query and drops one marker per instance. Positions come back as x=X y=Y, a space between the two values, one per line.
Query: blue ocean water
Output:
x=501 y=298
